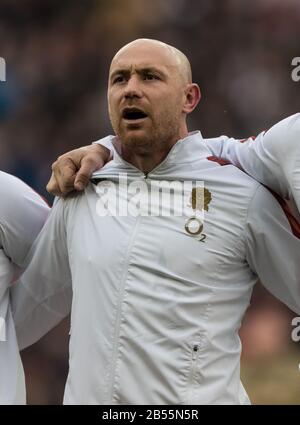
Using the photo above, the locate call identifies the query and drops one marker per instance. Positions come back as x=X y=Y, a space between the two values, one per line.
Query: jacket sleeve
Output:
x=273 y=247
x=42 y=296
x=272 y=158
x=6 y=274
x=107 y=143
x=22 y=215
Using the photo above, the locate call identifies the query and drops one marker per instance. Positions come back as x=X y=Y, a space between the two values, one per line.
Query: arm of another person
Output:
x=42 y=296
x=22 y=215
x=272 y=158
x=273 y=247
x=73 y=170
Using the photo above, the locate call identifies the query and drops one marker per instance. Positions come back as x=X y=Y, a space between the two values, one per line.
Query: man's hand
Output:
x=73 y=170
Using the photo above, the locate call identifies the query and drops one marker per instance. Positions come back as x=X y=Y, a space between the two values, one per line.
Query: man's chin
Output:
x=134 y=137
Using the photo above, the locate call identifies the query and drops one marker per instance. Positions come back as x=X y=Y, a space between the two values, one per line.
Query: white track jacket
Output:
x=156 y=308
x=272 y=158
x=22 y=215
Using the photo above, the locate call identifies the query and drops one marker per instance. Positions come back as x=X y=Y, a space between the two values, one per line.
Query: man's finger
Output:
x=53 y=187
x=62 y=179
x=83 y=161
x=64 y=172
x=88 y=166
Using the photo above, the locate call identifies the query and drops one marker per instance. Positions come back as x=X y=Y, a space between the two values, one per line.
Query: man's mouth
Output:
x=133 y=114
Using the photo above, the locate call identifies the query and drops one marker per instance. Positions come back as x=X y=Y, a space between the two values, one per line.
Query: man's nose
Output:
x=133 y=87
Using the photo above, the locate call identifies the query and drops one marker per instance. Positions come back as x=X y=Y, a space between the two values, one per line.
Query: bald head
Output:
x=172 y=56
x=150 y=93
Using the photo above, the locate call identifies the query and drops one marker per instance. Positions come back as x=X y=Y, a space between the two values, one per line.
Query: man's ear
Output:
x=192 y=98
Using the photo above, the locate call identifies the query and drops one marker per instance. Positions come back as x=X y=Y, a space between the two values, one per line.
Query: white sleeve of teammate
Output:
x=42 y=296
x=22 y=215
x=273 y=251
x=272 y=158
x=106 y=142
x=6 y=275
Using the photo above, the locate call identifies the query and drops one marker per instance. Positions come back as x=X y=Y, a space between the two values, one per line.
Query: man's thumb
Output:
x=84 y=174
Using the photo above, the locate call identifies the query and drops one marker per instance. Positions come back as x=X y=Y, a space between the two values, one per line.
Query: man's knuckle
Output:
x=54 y=166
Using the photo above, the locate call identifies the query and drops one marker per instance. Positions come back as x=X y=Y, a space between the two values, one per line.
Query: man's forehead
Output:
x=139 y=66
x=144 y=57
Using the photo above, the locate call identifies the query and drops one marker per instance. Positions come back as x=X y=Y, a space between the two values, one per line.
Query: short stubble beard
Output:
x=165 y=133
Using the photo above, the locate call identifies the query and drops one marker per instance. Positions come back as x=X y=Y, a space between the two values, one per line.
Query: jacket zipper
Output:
x=120 y=301
x=195 y=356
x=195 y=352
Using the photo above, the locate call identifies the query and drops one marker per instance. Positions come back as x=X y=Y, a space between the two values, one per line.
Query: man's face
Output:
x=146 y=93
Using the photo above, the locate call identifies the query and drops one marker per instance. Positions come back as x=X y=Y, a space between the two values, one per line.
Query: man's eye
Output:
x=118 y=79
x=151 y=77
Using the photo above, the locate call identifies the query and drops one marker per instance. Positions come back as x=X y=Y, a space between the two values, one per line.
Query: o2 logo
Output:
x=296 y=71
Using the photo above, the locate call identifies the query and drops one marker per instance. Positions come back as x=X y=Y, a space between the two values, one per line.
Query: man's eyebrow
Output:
x=119 y=72
x=150 y=69
x=142 y=70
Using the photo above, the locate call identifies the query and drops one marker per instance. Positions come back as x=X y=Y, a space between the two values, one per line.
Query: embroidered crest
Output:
x=200 y=199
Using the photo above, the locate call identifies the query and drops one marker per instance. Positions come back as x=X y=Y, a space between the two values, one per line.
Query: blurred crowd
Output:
x=57 y=55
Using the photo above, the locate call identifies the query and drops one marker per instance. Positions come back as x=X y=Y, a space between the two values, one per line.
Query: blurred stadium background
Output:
x=54 y=100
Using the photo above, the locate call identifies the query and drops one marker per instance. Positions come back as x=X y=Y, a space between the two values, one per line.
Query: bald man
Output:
x=161 y=251
x=64 y=180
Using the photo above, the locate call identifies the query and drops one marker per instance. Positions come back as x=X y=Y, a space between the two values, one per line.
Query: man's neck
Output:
x=146 y=159
x=146 y=162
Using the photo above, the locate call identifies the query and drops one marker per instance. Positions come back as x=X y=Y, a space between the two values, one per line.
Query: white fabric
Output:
x=145 y=292
x=22 y=214
x=272 y=158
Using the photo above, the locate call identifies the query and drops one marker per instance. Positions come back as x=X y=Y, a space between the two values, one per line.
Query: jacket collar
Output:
x=186 y=150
